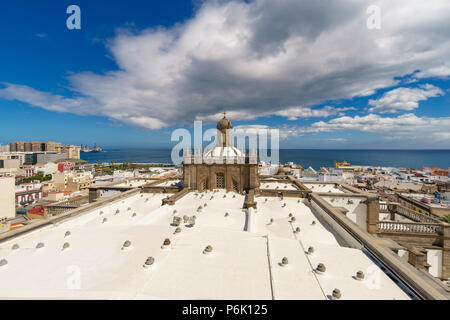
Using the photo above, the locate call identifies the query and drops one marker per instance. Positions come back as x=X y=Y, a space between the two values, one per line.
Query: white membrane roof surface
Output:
x=325 y=187
x=241 y=265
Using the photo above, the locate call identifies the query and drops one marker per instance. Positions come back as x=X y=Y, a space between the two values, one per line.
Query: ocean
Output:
x=305 y=157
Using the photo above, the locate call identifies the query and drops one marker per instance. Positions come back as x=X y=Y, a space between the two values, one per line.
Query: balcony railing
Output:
x=410 y=227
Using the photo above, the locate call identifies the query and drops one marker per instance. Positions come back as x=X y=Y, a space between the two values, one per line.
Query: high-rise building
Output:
x=72 y=152
x=52 y=146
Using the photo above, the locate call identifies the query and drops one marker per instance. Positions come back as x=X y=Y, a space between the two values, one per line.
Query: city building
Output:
x=7 y=205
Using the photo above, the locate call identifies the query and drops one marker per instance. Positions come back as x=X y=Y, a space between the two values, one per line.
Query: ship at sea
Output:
x=86 y=148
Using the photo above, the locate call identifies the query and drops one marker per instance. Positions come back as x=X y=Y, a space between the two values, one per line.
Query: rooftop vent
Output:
x=15 y=246
x=284 y=205
x=212 y=197
x=360 y=275
x=311 y=250
x=105 y=220
x=226 y=214
x=177 y=230
x=234 y=196
x=3 y=262
x=185 y=219
x=129 y=208
x=313 y=223
x=67 y=234
x=293 y=219
x=205 y=205
x=200 y=208
x=66 y=245
x=207 y=250
x=40 y=245
x=100 y=213
x=117 y=211
x=224 y=196
x=336 y=295
x=284 y=261
x=166 y=242
x=174 y=211
x=149 y=262
x=265 y=200
x=126 y=245
x=298 y=201
x=350 y=201
x=271 y=221
x=321 y=268
x=290 y=215
x=133 y=215
x=297 y=230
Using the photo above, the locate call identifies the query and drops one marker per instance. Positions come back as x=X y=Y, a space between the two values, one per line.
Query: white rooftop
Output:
x=244 y=262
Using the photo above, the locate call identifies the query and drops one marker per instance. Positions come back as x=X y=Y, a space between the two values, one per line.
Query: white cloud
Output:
x=256 y=59
x=406 y=127
x=404 y=99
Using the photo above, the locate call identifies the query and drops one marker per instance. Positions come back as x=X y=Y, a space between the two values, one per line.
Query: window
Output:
x=235 y=186
x=220 y=181
x=204 y=184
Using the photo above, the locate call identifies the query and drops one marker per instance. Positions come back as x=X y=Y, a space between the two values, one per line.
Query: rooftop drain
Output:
x=207 y=250
x=336 y=295
x=265 y=200
x=284 y=261
x=40 y=245
x=105 y=220
x=298 y=201
x=226 y=214
x=15 y=246
x=297 y=230
x=313 y=223
x=177 y=230
x=65 y=245
x=166 y=243
x=311 y=251
x=285 y=187
x=149 y=262
x=142 y=195
x=3 y=262
x=126 y=245
x=176 y=221
x=321 y=268
x=360 y=275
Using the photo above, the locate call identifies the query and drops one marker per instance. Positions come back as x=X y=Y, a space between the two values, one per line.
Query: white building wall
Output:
x=7 y=198
x=434 y=258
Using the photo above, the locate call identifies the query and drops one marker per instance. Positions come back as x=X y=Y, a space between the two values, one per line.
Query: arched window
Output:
x=235 y=186
x=220 y=181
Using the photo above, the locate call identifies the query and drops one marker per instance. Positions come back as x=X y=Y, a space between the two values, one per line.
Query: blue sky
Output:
x=139 y=69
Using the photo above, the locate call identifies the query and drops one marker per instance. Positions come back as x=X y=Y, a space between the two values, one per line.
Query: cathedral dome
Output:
x=224 y=124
